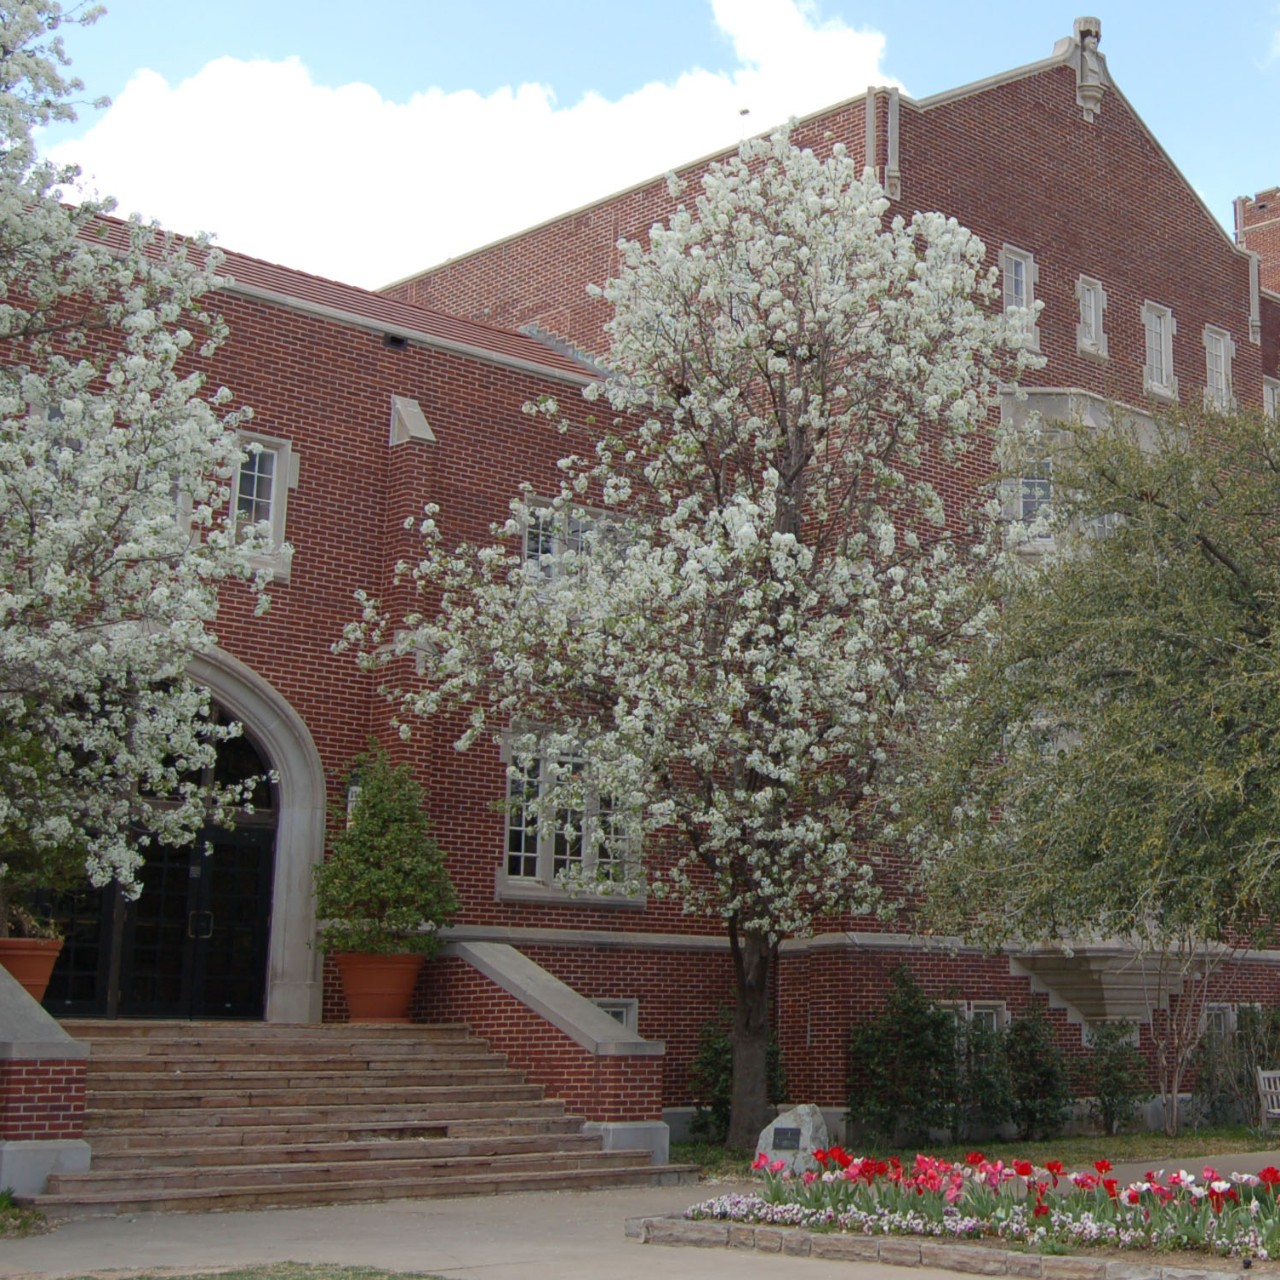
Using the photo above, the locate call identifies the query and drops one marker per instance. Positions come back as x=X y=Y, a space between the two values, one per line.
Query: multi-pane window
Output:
x=1271 y=398
x=260 y=494
x=1091 y=338
x=1218 y=350
x=255 y=487
x=548 y=535
x=1018 y=273
x=584 y=837
x=1159 y=327
x=1035 y=491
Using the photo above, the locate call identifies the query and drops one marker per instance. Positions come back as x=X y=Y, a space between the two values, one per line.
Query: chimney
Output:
x=1258 y=230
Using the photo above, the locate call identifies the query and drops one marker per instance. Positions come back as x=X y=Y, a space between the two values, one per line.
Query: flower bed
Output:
x=1039 y=1207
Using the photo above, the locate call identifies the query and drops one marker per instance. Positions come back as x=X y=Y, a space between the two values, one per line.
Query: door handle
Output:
x=200 y=925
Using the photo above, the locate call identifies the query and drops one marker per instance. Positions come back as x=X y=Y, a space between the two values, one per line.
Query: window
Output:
x=1035 y=491
x=1218 y=350
x=990 y=1015
x=1091 y=339
x=625 y=1012
x=548 y=535
x=1019 y=275
x=560 y=831
x=1159 y=327
x=1271 y=398
x=260 y=494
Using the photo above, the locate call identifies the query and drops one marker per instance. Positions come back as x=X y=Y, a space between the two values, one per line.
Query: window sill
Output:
x=1168 y=394
x=507 y=889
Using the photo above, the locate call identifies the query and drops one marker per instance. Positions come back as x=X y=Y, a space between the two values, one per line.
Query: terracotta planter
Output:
x=31 y=961
x=378 y=988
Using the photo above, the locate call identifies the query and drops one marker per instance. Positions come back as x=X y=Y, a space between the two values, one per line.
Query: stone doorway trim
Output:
x=293 y=966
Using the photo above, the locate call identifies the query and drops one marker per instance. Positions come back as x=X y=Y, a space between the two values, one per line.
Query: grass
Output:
x=15 y=1221
x=718 y=1164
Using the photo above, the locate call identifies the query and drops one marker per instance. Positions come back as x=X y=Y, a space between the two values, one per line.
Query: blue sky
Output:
x=367 y=149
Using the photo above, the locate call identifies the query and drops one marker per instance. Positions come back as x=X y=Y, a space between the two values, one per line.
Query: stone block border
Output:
x=905 y=1251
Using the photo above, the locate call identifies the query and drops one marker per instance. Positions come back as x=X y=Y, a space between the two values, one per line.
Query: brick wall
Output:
x=42 y=1099
x=594 y=1086
x=1258 y=229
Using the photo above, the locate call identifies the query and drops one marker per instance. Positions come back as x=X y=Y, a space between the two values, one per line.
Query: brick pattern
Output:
x=595 y=1087
x=42 y=1099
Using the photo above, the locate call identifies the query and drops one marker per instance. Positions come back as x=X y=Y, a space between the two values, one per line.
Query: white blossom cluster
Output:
x=763 y=561
x=115 y=463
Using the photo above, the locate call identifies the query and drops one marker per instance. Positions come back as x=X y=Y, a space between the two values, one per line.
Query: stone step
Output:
x=155 y=1032
x=356 y=1115
x=164 y=1141
x=232 y=1115
x=150 y=1084
x=434 y=1147
x=489 y=1182
x=350 y=1095
x=124 y=1061
x=165 y=1177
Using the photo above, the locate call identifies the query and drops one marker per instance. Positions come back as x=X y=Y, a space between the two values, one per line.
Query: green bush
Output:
x=1115 y=1074
x=711 y=1078
x=1226 y=1089
x=1041 y=1096
x=384 y=888
x=984 y=1101
x=904 y=1071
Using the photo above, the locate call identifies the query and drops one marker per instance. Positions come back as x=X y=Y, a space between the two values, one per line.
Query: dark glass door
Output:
x=193 y=945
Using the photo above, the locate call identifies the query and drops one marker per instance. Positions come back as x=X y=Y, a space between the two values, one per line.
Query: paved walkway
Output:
x=530 y=1236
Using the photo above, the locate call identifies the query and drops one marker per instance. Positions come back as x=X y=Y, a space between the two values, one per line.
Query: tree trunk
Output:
x=753 y=959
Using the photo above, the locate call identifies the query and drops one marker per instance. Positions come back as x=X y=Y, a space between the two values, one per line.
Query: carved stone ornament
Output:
x=1091 y=67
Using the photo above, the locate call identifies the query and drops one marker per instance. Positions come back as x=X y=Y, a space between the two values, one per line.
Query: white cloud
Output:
x=344 y=183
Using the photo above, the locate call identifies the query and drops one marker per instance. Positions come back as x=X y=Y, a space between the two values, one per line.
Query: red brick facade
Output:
x=42 y=1100
x=1016 y=160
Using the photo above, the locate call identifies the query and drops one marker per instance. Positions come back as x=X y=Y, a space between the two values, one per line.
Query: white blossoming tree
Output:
x=702 y=652
x=114 y=465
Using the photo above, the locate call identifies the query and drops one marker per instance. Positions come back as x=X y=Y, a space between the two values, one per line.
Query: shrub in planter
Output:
x=384 y=889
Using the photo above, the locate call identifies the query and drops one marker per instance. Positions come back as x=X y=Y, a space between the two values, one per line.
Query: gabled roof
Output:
x=360 y=308
x=1065 y=52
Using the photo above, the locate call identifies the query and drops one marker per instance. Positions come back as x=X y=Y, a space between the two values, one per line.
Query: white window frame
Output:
x=536 y=851
x=624 y=1011
x=1091 y=336
x=279 y=557
x=970 y=1011
x=1219 y=351
x=1019 y=276
x=1159 y=326
x=1271 y=398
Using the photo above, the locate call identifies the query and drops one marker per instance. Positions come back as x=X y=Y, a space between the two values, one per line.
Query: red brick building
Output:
x=369 y=405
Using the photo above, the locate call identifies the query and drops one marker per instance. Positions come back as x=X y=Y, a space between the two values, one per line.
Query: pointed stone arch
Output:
x=293 y=966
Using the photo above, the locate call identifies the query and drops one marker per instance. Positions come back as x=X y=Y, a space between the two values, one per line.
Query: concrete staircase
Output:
x=194 y=1116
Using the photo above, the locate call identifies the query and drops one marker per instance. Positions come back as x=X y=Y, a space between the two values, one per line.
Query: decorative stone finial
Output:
x=1091 y=69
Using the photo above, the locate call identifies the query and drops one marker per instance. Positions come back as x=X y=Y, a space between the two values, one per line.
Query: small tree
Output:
x=114 y=464
x=1104 y=765
x=729 y=649
x=384 y=888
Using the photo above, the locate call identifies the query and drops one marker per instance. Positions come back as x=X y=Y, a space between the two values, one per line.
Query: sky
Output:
x=368 y=143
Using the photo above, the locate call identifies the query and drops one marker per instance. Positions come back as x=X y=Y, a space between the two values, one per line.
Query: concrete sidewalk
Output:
x=525 y=1236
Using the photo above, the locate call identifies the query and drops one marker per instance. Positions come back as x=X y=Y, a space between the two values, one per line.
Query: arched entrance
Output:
x=228 y=935
x=194 y=943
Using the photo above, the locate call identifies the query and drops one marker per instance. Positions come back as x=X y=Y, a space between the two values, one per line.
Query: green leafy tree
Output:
x=1105 y=765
